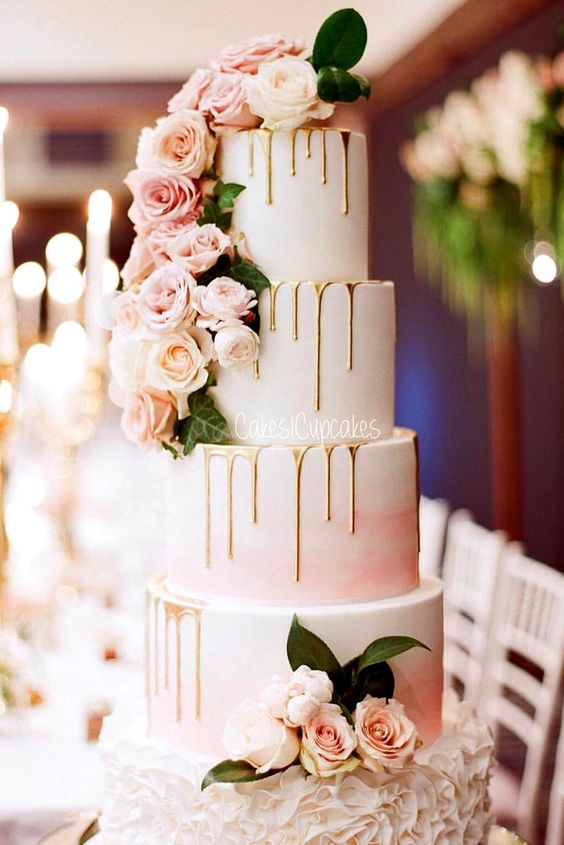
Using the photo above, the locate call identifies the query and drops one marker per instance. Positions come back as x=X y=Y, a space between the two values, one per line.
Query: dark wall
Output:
x=440 y=391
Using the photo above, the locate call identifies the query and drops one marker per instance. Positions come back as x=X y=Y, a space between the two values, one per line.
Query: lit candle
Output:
x=9 y=347
x=29 y=283
x=64 y=282
x=4 y=115
x=97 y=253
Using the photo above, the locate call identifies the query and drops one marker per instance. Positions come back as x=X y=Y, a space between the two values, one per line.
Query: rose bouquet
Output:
x=189 y=301
x=488 y=178
x=325 y=717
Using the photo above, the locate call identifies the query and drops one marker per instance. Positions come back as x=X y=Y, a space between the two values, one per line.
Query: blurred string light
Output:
x=69 y=338
x=544 y=265
x=99 y=211
x=29 y=280
x=63 y=250
x=111 y=276
x=37 y=363
x=66 y=284
x=9 y=213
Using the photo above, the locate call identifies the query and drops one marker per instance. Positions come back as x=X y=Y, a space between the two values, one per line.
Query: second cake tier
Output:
x=304 y=524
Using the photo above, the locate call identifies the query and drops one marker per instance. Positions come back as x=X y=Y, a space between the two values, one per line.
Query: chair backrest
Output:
x=433 y=518
x=470 y=571
x=524 y=672
x=555 y=829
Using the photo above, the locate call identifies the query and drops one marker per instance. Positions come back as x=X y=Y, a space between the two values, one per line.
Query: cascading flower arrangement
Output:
x=488 y=172
x=189 y=303
x=325 y=717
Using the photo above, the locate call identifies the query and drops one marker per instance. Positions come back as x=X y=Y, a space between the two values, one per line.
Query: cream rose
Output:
x=312 y=682
x=328 y=743
x=252 y=734
x=177 y=362
x=192 y=91
x=386 y=737
x=236 y=346
x=158 y=197
x=139 y=265
x=249 y=56
x=284 y=94
x=223 y=299
x=198 y=248
x=148 y=417
x=300 y=710
x=124 y=312
x=165 y=299
x=275 y=697
x=225 y=100
x=128 y=360
x=179 y=143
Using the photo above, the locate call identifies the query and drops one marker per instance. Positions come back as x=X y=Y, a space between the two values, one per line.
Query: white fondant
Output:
x=154 y=797
x=303 y=233
x=244 y=644
x=378 y=559
x=354 y=404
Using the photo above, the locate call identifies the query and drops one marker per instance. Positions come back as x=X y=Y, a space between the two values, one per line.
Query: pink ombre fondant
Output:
x=243 y=645
x=377 y=560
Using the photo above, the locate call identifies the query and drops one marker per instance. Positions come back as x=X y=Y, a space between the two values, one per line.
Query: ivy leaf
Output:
x=335 y=85
x=385 y=648
x=205 y=424
x=227 y=193
x=248 y=274
x=341 y=40
x=213 y=214
x=233 y=771
x=364 y=83
x=304 y=648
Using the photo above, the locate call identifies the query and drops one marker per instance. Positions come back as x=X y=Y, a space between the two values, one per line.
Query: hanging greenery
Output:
x=488 y=180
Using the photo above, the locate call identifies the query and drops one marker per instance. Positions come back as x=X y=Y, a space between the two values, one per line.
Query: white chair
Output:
x=555 y=829
x=523 y=678
x=470 y=572
x=433 y=518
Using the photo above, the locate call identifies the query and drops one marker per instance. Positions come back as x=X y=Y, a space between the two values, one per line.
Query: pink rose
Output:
x=148 y=417
x=139 y=265
x=158 y=197
x=328 y=743
x=198 y=248
x=159 y=238
x=386 y=737
x=124 y=312
x=236 y=346
x=179 y=143
x=226 y=102
x=223 y=300
x=165 y=299
x=252 y=734
x=249 y=56
x=191 y=92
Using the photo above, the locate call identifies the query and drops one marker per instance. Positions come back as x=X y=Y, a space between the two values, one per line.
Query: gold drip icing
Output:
x=175 y=609
x=352 y=450
x=345 y=141
x=256 y=369
x=328 y=452
x=265 y=136
x=298 y=453
x=319 y=288
x=250 y=453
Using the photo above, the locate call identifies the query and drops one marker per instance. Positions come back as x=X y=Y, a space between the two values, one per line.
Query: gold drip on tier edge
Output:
x=265 y=136
x=161 y=603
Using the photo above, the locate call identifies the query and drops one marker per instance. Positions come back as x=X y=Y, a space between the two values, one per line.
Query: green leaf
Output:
x=227 y=193
x=208 y=424
x=210 y=174
x=335 y=85
x=365 y=87
x=377 y=681
x=385 y=648
x=169 y=448
x=341 y=40
x=304 y=648
x=248 y=274
x=233 y=771
x=213 y=214
x=222 y=267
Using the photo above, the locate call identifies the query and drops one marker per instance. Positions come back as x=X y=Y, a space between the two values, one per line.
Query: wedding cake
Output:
x=294 y=676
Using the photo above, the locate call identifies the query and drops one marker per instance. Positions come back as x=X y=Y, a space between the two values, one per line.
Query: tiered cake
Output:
x=309 y=513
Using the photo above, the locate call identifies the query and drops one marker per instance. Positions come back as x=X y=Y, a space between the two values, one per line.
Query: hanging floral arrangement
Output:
x=488 y=180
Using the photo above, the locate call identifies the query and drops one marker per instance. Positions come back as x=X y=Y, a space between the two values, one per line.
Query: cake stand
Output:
x=82 y=831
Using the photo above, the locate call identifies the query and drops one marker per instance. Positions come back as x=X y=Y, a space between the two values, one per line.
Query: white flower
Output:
x=180 y=143
x=128 y=361
x=252 y=734
x=284 y=94
x=300 y=709
x=236 y=346
x=275 y=697
x=313 y=682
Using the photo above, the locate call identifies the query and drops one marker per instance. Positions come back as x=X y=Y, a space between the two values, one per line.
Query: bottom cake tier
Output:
x=154 y=797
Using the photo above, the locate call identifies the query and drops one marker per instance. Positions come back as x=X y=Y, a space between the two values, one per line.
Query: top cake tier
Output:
x=304 y=212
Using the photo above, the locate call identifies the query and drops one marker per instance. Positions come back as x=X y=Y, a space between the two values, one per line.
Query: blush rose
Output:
x=148 y=417
x=223 y=299
x=225 y=100
x=164 y=301
x=192 y=91
x=198 y=248
x=179 y=143
x=236 y=346
x=386 y=737
x=248 y=57
x=158 y=197
x=328 y=743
